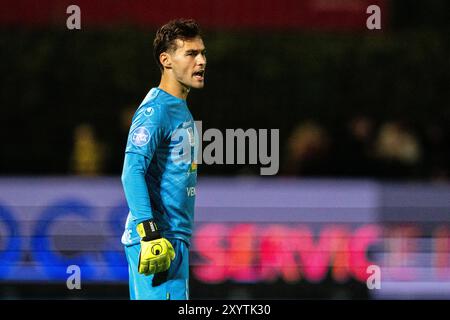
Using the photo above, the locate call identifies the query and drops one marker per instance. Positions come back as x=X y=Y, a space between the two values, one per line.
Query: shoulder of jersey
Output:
x=151 y=110
x=151 y=98
x=151 y=103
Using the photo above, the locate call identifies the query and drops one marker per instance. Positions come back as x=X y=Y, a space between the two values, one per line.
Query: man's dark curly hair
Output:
x=166 y=35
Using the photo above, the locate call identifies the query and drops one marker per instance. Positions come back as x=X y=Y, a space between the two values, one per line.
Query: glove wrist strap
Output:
x=148 y=230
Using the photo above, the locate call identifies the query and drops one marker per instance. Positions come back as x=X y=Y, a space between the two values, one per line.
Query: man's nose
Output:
x=201 y=60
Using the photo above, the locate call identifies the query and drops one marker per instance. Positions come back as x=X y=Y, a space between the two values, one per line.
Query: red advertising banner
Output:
x=211 y=14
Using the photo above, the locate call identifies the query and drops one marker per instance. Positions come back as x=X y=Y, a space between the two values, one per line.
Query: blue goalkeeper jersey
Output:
x=160 y=171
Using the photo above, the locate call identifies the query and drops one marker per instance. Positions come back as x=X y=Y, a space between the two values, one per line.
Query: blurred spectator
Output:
x=117 y=138
x=398 y=151
x=354 y=148
x=308 y=152
x=126 y=116
x=88 y=153
x=437 y=159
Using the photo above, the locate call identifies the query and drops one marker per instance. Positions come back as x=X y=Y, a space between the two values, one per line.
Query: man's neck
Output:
x=173 y=87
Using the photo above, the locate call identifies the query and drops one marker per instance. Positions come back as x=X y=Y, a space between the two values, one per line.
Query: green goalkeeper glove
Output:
x=156 y=252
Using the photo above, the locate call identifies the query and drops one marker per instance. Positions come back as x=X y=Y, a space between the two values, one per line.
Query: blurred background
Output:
x=364 y=146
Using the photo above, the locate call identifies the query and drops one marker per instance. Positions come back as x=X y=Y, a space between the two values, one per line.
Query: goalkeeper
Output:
x=160 y=172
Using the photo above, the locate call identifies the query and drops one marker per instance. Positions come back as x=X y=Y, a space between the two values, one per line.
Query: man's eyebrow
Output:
x=195 y=50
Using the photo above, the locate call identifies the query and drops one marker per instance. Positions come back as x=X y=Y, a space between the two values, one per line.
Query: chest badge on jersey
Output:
x=193 y=167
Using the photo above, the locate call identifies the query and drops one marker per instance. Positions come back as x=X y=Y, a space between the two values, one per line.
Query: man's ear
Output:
x=165 y=60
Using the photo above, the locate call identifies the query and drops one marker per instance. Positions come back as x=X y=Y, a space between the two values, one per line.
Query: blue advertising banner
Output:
x=351 y=230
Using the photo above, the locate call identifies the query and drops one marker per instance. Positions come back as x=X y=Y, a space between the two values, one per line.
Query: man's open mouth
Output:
x=199 y=75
